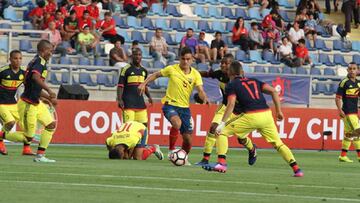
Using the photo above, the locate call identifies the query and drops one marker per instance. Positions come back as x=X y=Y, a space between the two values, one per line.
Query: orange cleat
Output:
x=27 y=151
x=3 y=150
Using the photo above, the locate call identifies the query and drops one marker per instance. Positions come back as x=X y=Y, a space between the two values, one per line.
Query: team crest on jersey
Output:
x=143 y=73
x=8 y=77
x=190 y=80
x=21 y=77
x=132 y=73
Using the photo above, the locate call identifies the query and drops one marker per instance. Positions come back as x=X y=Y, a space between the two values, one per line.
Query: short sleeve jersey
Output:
x=9 y=83
x=73 y=24
x=129 y=134
x=348 y=91
x=180 y=85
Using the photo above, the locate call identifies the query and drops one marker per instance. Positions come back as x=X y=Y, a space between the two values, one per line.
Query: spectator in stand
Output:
x=93 y=11
x=268 y=19
x=64 y=8
x=263 y=3
x=218 y=47
x=85 y=20
x=150 y=2
x=240 y=34
x=37 y=15
x=78 y=8
x=301 y=18
x=47 y=19
x=347 y=8
x=87 y=42
x=328 y=6
x=191 y=42
x=356 y=11
x=135 y=8
x=50 y=7
x=118 y=56
x=59 y=21
x=71 y=26
x=310 y=28
x=286 y=53
x=106 y=28
x=271 y=38
x=256 y=38
x=204 y=49
x=55 y=39
x=279 y=21
x=295 y=33
x=302 y=53
x=159 y=47
x=108 y=5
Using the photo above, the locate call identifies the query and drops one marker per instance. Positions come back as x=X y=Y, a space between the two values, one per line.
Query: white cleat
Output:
x=158 y=152
x=43 y=159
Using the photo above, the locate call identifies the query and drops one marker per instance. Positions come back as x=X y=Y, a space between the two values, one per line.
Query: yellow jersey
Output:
x=129 y=134
x=180 y=85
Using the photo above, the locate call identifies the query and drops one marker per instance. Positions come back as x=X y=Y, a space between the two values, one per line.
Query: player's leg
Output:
x=8 y=122
x=186 y=129
x=355 y=128
x=251 y=149
x=46 y=119
x=171 y=114
x=128 y=115
x=349 y=122
x=143 y=153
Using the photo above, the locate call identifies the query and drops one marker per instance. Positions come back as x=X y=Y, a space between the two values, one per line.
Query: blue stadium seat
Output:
x=157 y=9
x=161 y=23
x=103 y=79
x=321 y=31
x=218 y=26
x=10 y=14
x=136 y=35
x=315 y=71
x=241 y=56
x=227 y=12
x=203 y=67
x=132 y=22
x=339 y=60
x=324 y=59
x=84 y=78
x=214 y=12
x=229 y=26
x=301 y=71
x=355 y=45
x=149 y=36
x=25 y=45
x=8 y=26
x=287 y=70
x=269 y=57
x=265 y=12
x=239 y=12
x=329 y=72
x=145 y=64
x=215 y=66
x=162 y=82
x=321 y=88
x=255 y=56
x=308 y=46
x=204 y=26
x=320 y=44
x=285 y=16
x=30 y=27
x=200 y=11
x=172 y=10
x=332 y=89
x=285 y=3
x=190 y=24
x=99 y=62
x=338 y=45
x=123 y=33
x=147 y=23
x=240 y=2
x=66 y=60
x=176 y=25
x=254 y=13
x=315 y=59
x=259 y=69
x=65 y=77
x=120 y=22
x=178 y=37
x=274 y=70
x=158 y=65
x=356 y=59
x=84 y=61
x=169 y=39
x=55 y=79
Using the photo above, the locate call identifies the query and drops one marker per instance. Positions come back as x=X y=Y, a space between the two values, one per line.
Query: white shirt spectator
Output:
x=296 y=35
x=286 y=50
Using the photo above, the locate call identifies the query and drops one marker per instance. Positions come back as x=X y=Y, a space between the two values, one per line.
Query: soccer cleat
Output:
x=252 y=156
x=298 y=173
x=27 y=151
x=3 y=150
x=222 y=168
x=203 y=162
x=169 y=153
x=43 y=159
x=158 y=152
x=345 y=159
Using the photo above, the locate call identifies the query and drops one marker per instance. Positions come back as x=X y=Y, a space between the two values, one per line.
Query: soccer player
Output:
x=210 y=140
x=11 y=77
x=252 y=114
x=126 y=143
x=31 y=109
x=347 y=104
x=182 y=80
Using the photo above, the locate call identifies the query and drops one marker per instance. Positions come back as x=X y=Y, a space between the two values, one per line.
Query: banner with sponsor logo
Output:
x=291 y=89
x=90 y=122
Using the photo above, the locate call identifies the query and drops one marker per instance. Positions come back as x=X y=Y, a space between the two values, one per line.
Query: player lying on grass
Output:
x=128 y=143
x=252 y=114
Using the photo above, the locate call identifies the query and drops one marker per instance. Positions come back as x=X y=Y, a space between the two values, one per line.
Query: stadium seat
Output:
x=99 y=62
x=84 y=61
x=204 y=26
x=176 y=25
x=321 y=88
x=227 y=12
x=200 y=11
x=315 y=71
x=55 y=78
x=123 y=33
x=315 y=59
x=241 y=56
x=215 y=66
x=218 y=26
x=203 y=67
x=255 y=56
x=356 y=59
x=8 y=26
x=324 y=59
x=66 y=60
x=65 y=78
x=214 y=12
x=320 y=44
x=285 y=3
x=332 y=89
x=265 y=12
x=145 y=64
x=103 y=79
x=240 y=2
x=301 y=71
x=287 y=70
x=149 y=35
x=329 y=72
x=136 y=35
x=308 y=46
x=339 y=60
x=84 y=78
x=172 y=10
x=285 y=16
x=259 y=69
x=169 y=39
x=229 y=26
x=178 y=37
x=239 y=12
x=321 y=31
x=254 y=13
x=274 y=70
x=161 y=23
x=338 y=45
x=269 y=57
x=147 y=23
x=120 y=22
x=132 y=22
x=25 y=45
x=185 y=10
x=162 y=82
x=157 y=9
x=355 y=45
x=158 y=65
x=190 y=24
x=10 y=14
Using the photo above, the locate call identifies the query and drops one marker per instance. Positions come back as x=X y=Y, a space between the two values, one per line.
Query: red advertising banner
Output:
x=90 y=122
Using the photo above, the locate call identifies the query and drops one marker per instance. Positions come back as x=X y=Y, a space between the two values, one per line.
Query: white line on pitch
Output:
x=185 y=190
x=183 y=179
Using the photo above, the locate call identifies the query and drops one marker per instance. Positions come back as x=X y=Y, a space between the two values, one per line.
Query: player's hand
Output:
x=150 y=102
x=142 y=88
x=341 y=113
x=54 y=102
x=279 y=116
x=52 y=94
x=219 y=128
x=206 y=101
x=120 y=104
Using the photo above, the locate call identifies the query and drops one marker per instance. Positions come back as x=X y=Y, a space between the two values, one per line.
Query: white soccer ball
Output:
x=178 y=157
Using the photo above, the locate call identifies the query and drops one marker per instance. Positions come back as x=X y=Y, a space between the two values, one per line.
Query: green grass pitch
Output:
x=84 y=174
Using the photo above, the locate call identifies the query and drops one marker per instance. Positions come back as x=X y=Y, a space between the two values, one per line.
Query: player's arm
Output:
x=152 y=77
x=147 y=93
x=338 y=99
x=37 y=78
x=267 y=89
x=231 y=100
x=202 y=94
x=120 y=88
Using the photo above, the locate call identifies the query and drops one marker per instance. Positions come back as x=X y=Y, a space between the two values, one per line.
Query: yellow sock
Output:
x=247 y=143
x=346 y=144
x=222 y=145
x=17 y=136
x=209 y=143
x=45 y=139
x=286 y=153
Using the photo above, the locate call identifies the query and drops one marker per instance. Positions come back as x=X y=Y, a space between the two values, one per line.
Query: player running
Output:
x=252 y=114
x=126 y=143
x=31 y=109
x=210 y=139
x=182 y=80
x=347 y=104
x=11 y=77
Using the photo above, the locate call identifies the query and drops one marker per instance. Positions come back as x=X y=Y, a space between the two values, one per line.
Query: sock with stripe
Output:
x=46 y=136
x=147 y=152
x=247 y=143
x=357 y=147
x=222 y=159
x=345 y=146
x=221 y=145
x=210 y=141
x=286 y=153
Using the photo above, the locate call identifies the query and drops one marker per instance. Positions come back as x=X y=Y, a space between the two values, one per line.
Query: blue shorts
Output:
x=144 y=140
x=184 y=114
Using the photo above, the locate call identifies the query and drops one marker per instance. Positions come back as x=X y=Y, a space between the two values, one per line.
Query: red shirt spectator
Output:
x=85 y=20
x=51 y=7
x=135 y=3
x=64 y=11
x=105 y=24
x=301 y=52
x=243 y=31
x=79 y=9
x=38 y=12
x=47 y=19
x=267 y=21
x=93 y=10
